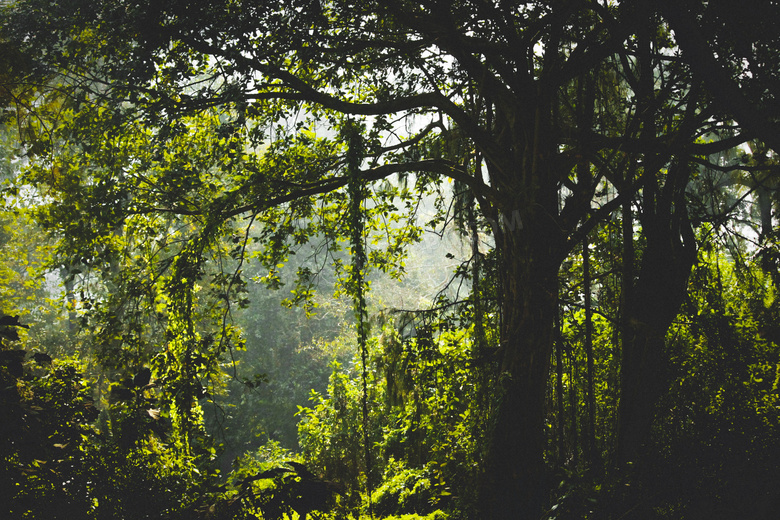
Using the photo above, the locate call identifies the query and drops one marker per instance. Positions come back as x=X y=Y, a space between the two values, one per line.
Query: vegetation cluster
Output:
x=417 y=260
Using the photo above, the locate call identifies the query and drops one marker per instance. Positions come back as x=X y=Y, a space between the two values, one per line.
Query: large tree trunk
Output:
x=530 y=250
x=514 y=484
x=652 y=303
x=650 y=307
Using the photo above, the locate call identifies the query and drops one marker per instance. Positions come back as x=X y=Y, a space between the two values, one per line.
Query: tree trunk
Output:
x=670 y=251
x=561 y=435
x=530 y=251
x=592 y=455
x=514 y=483
x=650 y=307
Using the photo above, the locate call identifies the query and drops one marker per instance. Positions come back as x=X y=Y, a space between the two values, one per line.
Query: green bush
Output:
x=407 y=490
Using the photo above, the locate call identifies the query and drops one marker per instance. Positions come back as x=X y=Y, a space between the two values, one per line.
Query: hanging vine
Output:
x=357 y=194
x=184 y=362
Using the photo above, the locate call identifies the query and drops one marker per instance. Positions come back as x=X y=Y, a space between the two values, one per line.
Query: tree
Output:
x=186 y=118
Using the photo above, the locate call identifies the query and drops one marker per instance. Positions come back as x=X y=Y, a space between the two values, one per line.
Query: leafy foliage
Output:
x=59 y=463
x=609 y=169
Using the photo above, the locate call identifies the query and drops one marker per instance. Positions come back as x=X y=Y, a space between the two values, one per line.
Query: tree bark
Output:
x=592 y=455
x=653 y=301
x=560 y=431
x=514 y=483
x=650 y=308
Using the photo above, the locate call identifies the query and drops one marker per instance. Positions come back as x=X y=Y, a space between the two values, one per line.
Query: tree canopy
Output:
x=584 y=149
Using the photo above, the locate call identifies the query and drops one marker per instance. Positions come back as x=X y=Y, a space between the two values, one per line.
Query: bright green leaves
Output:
x=424 y=414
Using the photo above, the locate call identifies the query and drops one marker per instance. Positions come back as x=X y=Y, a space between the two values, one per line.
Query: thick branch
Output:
x=448 y=169
x=716 y=77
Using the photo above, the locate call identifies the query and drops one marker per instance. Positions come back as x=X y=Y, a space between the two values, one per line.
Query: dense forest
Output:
x=462 y=259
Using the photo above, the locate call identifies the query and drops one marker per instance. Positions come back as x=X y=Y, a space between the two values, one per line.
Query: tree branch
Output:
x=715 y=76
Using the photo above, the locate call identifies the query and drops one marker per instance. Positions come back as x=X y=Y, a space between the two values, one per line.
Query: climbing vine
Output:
x=357 y=285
